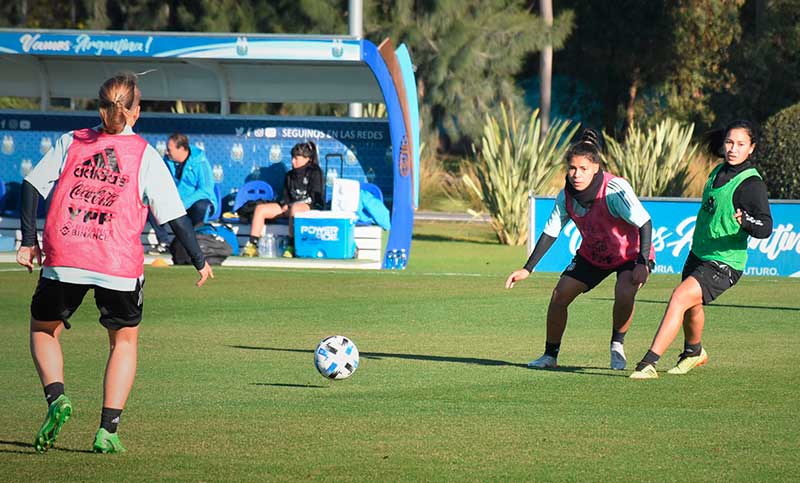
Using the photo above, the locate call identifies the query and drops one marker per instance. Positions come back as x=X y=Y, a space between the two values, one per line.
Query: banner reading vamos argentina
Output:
x=673 y=227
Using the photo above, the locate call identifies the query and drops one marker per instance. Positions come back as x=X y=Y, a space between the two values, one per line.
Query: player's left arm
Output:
x=752 y=207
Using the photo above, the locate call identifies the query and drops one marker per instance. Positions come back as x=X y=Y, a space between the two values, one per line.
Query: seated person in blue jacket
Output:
x=192 y=174
x=302 y=191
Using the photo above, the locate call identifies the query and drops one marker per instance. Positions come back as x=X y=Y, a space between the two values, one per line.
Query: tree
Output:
x=765 y=63
x=659 y=58
x=777 y=154
x=467 y=53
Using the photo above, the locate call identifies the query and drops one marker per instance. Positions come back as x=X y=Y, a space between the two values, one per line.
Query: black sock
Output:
x=692 y=350
x=254 y=239
x=650 y=359
x=551 y=349
x=618 y=336
x=53 y=391
x=109 y=419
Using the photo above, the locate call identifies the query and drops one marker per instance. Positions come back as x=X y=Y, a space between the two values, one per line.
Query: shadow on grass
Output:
x=413 y=357
x=278 y=384
x=32 y=451
x=585 y=370
x=588 y=371
x=735 y=306
x=452 y=238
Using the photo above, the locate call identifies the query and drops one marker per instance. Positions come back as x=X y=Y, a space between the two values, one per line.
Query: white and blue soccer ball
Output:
x=336 y=357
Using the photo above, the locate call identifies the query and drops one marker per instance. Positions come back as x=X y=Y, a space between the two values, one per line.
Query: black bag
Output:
x=214 y=247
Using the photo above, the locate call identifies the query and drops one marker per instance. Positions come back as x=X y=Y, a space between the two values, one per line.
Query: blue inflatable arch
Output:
x=225 y=68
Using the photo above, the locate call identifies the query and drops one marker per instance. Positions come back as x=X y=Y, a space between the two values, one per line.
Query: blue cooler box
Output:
x=325 y=234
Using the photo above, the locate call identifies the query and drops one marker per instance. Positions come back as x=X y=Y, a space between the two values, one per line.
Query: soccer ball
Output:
x=336 y=357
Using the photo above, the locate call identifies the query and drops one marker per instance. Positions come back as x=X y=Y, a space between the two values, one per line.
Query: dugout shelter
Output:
x=226 y=68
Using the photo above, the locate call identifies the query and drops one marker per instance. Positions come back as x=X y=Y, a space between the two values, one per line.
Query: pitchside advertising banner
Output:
x=673 y=227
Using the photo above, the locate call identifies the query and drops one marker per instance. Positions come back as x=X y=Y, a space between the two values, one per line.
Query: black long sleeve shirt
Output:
x=751 y=197
x=304 y=184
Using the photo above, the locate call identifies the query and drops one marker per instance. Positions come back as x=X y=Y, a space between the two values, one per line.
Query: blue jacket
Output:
x=197 y=180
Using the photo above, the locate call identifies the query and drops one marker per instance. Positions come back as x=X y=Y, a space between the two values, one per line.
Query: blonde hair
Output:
x=117 y=96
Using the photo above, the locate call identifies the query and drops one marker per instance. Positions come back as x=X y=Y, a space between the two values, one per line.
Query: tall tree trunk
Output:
x=631 y=103
x=546 y=69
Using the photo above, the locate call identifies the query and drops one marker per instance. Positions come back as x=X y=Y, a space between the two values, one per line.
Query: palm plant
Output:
x=512 y=162
x=654 y=161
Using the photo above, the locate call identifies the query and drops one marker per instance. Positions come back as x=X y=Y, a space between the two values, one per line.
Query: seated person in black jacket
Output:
x=302 y=191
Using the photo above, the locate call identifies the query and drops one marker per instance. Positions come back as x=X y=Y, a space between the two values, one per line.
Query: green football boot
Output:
x=686 y=362
x=58 y=413
x=105 y=442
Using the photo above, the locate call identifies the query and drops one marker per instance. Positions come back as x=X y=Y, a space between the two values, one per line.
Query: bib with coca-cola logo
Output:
x=96 y=215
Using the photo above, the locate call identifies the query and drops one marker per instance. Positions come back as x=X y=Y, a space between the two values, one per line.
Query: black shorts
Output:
x=714 y=277
x=56 y=300
x=584 y=271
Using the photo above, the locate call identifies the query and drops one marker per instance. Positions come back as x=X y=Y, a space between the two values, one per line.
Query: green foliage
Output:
x=22 y=103
x=652 y=60
x=704 y=31
x=655 y=161
x=765 y=64
x=512 y=162
x=375 y=110
x=778 y=150
x=467 y=53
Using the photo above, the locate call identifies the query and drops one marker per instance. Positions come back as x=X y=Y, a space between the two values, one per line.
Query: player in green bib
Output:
x=735 y=206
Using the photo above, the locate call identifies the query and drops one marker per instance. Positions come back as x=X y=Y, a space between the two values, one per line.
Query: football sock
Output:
x=53 y=391
x=109 y=419
x=552 y=348
x=618 y=336
x=254 y=239
x=650 y=359
x=692 y=350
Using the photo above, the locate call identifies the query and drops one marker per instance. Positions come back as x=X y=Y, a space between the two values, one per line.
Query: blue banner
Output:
x=133 y=44
x=673 y=227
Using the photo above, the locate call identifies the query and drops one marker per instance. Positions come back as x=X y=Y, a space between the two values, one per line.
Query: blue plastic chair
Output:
x=374 y=189
x=253 y=191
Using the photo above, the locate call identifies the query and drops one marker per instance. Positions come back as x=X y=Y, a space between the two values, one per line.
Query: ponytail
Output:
x=117 y=96
x=714 y=141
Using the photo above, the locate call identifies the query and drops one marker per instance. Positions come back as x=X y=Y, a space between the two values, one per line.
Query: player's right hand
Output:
x=516 y=276
x=205 y=273
x=26 y=255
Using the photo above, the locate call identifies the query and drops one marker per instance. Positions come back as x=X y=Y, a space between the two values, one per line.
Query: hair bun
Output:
x=591 y=136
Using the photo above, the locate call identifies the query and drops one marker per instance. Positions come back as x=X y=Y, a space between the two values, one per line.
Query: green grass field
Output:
x=227 y=391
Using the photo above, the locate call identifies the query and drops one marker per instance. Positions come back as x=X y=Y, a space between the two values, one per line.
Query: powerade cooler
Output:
x=324 y=234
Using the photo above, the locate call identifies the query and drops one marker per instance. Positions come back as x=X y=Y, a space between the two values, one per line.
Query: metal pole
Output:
x=356 y=28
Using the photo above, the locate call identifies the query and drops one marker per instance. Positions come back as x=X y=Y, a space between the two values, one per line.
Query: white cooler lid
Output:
x=320 y=214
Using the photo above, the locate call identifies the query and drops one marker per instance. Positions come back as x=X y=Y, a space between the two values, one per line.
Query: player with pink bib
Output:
x=616 y=232
x=105 y=179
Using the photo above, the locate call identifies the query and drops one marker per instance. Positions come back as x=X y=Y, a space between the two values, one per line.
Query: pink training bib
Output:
x=608 y=242
x=96 y=215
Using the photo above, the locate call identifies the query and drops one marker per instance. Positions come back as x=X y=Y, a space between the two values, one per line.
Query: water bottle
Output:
x=390 y=260
x=402 y=259
x=266 y=246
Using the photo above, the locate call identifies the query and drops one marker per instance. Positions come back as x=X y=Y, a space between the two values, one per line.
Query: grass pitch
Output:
x=227 y=391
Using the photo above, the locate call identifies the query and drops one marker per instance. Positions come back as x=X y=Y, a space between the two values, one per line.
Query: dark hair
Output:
x=307 y=149
x=116 y=96
x=589 y=144
x=715 y=140
x=180 y=140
